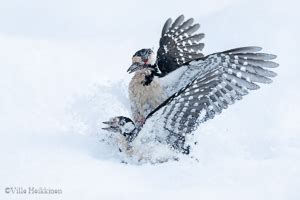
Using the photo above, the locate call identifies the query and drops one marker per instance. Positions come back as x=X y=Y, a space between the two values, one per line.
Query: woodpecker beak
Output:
x=111 y=126
x=108 y=123
x=134 y=67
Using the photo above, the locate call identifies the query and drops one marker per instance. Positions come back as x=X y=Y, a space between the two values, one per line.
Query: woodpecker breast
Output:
x=144 y=98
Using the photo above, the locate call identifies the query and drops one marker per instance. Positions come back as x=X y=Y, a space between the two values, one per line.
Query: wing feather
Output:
x=224 y=79
x=178 y=44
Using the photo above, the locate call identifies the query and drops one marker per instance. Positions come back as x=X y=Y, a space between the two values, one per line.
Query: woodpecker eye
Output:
x=142 y=56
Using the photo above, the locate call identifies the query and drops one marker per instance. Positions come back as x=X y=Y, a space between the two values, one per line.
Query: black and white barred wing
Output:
x=225 y=78
x=178 y=44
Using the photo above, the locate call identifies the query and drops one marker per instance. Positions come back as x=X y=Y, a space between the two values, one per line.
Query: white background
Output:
x=63 y=71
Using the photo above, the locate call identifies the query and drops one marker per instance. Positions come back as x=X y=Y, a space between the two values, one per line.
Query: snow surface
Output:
x=63 y=71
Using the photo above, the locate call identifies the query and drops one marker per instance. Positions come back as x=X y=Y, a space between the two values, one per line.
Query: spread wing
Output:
x=224 y=78
x=178 y=44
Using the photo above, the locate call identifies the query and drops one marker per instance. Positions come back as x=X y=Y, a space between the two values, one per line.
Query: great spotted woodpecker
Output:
x=178 y=45
x=201 y=86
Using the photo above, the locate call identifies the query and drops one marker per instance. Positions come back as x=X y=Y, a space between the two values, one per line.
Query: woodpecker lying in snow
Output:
x=202 y=86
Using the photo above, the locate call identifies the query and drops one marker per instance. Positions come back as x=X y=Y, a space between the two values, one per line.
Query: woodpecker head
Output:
x=144 y=58
x=120 y=124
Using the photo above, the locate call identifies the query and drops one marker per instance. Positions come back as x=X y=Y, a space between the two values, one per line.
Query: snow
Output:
x=63 y=71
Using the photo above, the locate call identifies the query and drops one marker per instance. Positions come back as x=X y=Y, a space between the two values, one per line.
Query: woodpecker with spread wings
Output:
x=175 y=91
x=149 y=86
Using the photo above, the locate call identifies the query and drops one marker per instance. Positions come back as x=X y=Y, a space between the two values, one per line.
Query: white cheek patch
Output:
x=128 y=127
x=151 y=59
x=136 y=59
